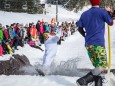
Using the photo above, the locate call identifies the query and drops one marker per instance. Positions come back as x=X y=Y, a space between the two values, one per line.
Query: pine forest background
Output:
x=34 y=6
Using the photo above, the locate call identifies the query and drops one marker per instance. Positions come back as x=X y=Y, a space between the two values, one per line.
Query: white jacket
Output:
x=50 y=50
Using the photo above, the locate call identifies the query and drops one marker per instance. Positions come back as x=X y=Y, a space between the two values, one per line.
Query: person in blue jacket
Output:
x=91 y=26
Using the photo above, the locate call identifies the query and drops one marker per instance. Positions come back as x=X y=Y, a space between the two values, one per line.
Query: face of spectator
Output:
x=34 y=26
x=52 y=25
x=30 y=25
x=39 y=22
x=26 y=28
x=18 y=25
x=14 y=25
x=11 y=26
x=3 y=28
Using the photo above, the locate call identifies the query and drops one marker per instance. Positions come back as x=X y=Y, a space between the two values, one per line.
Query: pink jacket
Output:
x=1 y=50
x=41 y=30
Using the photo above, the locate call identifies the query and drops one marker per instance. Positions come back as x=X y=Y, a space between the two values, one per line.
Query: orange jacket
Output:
x=33 y=32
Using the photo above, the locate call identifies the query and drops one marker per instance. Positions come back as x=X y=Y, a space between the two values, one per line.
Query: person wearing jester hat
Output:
x=50 y=43
x=91 y=26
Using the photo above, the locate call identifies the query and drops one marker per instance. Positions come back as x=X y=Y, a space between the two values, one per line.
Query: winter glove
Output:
x=113 y=14
x=110 y=12
x=108 y=9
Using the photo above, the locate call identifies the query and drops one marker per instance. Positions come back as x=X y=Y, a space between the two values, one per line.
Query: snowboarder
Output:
x=50 y=50
x=93 y=20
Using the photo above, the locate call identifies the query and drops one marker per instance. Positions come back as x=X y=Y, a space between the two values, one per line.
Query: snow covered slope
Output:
x=10 y=17
x=6 y=18
x=74 y=49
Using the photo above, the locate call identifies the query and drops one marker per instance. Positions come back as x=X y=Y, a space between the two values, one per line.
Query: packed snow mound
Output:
x=12 y=66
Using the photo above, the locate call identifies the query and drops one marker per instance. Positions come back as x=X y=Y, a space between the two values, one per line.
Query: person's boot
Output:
x=98 y=80
x=83 y=81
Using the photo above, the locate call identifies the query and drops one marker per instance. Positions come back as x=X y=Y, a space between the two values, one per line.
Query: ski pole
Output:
x=109 y=49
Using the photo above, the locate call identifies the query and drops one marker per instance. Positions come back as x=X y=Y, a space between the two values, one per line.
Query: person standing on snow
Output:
x=1 y=33
x=50 y=50
x=93 y=21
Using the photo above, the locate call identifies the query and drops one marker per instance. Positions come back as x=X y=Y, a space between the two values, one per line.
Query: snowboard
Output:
x=40 y=72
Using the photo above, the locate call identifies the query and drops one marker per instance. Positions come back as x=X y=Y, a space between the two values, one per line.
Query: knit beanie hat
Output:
x=95 y=2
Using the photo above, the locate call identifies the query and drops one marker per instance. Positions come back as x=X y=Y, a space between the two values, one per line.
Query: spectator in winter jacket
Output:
x=21 y=32
x=52 y=27
x=33 y=32
x=52 y=33
x=93 y=21
x=26 y=33
x=8 y=48
x=1 y=32
x=11 y=32
x=6 y=34
x=7 y=27
x=16 y=35
x=11 y=35
x=69 y=30
x=55 y=27
x=47 y=27
x=38 y=27
x=37 y=41
x=21 y=35
x=42 y=30
x=44 y=25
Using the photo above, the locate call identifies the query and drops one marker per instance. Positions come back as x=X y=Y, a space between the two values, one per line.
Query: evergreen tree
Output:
x=33 y=6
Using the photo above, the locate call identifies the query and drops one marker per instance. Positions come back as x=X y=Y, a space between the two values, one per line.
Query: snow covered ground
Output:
x=6 y=18
x=72 y=48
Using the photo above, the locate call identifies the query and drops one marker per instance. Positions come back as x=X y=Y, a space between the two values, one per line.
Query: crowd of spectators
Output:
x=16 y=34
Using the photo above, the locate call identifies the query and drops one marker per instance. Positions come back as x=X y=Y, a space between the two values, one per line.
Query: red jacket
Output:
x=6 y=34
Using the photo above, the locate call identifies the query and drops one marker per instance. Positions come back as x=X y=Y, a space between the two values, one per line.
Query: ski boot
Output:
x=83 y=81
x=98 y=80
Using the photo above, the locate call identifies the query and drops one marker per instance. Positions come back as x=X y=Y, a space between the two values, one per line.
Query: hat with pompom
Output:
x=46 y=35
